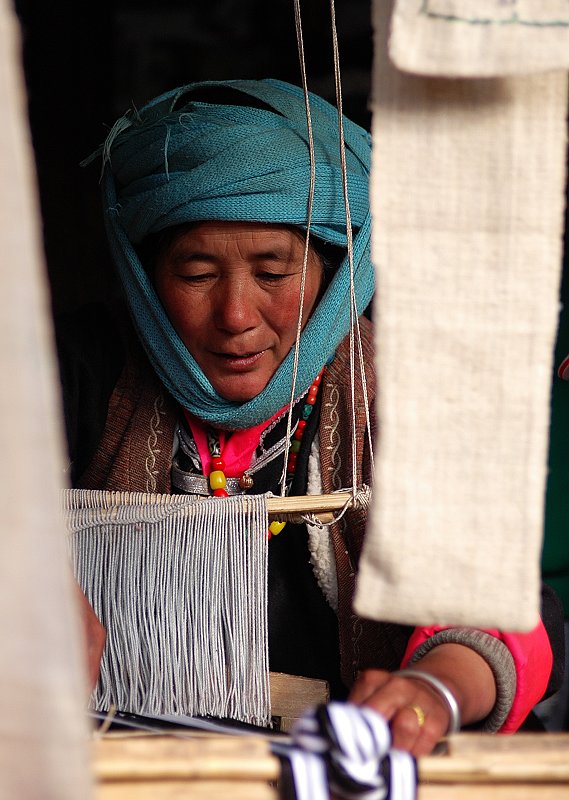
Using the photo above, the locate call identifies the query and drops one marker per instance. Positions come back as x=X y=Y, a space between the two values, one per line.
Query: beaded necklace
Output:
x=217 y=478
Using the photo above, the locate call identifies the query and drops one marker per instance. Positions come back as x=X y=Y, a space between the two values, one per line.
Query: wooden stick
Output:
x=163 y=757
x=310 y=503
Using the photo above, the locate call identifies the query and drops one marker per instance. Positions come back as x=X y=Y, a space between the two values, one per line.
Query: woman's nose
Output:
x=235 y=307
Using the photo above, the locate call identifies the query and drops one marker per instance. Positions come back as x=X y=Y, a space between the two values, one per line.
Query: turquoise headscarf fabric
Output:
x=179 y=160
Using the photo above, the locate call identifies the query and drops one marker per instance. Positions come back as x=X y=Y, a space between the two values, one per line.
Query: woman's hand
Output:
x=94 y=636
x=417 y=714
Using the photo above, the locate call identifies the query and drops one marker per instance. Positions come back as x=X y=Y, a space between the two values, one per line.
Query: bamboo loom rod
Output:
x=323 y=507
x=310 y=503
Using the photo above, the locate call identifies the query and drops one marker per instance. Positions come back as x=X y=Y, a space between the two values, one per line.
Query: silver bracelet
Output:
x=442 y=690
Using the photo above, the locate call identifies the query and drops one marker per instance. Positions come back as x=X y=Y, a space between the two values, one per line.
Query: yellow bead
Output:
x=276 y=527
x=217 y=479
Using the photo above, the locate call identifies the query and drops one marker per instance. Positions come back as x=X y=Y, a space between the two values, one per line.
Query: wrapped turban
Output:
x=180 y=159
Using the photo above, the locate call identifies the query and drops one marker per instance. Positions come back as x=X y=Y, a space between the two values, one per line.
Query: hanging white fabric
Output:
x=467 y=199
x=43 y=689
x=480 y=38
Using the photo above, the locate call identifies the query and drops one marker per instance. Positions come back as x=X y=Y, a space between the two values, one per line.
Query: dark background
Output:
x=85 y=63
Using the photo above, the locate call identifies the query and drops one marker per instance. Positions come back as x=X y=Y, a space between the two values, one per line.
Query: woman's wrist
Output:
x=466 y=675
x=495 y=655
x=442 y=690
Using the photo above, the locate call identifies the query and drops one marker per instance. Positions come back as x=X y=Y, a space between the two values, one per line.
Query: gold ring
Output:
x=419 y=713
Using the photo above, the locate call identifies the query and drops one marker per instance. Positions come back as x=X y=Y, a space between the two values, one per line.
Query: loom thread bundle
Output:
x=181 y=587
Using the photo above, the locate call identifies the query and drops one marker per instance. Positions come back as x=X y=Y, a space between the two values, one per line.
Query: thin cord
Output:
x=354 y=319
x=353 y=309
x=300 y=44
x=355 y=333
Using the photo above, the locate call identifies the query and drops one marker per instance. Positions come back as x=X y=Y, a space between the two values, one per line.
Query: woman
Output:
x=206 y=196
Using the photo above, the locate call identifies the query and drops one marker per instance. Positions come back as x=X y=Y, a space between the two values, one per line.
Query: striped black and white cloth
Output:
x=345 y=750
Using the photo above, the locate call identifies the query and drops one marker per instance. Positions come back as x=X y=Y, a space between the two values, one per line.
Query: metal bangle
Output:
x=442 y=690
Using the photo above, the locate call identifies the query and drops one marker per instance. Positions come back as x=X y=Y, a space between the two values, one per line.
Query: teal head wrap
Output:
x=180 y=160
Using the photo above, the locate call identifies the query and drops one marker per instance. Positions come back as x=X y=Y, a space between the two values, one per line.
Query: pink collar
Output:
x=237 y=447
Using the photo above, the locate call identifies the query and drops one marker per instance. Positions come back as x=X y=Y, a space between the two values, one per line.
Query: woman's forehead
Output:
x=210 y=233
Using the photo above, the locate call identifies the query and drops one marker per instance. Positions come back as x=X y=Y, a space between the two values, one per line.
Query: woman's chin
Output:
x=239 y=391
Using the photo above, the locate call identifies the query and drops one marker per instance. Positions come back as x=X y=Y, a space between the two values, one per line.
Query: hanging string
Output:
x=300 y=45
x=354 y=322
x=355 y=333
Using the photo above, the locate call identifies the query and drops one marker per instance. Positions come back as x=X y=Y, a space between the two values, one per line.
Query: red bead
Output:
x=310 y=399
x=217 y=463
x=220 y=493
x=318 y=378
x=313 y=390
x=291 y=464
x=300 y=429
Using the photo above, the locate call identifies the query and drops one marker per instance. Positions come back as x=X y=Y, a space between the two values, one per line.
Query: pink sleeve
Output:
x=533 y=659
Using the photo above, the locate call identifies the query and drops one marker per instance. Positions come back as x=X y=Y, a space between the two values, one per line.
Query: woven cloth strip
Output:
x=467 y=199
x=480 y=38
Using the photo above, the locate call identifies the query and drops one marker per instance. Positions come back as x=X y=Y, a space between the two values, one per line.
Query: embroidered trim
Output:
x=357 y=631
x=497 y=13
x=190 y=483
x=335 y=457
x=151 y=442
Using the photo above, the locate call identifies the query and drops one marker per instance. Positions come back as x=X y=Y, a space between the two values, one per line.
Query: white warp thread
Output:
x=181 y=587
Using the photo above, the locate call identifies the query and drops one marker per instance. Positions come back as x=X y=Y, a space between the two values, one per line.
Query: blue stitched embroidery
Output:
x=506 y=12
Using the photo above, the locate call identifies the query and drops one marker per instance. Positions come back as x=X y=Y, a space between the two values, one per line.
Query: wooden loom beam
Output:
x=321 y=506
x=475 y=767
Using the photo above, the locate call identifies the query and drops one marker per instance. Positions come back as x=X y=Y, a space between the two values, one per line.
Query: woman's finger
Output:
x=418 y=719
x=367 y=683
x=416 y=729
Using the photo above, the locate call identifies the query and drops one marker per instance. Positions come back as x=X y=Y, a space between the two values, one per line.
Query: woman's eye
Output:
x=198 y=278
x=272 y=277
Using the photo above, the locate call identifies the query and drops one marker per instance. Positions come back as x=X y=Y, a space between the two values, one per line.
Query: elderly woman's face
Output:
x=232 y=293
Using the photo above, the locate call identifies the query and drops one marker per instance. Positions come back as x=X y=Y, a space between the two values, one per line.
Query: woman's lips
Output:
x=240 y=363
